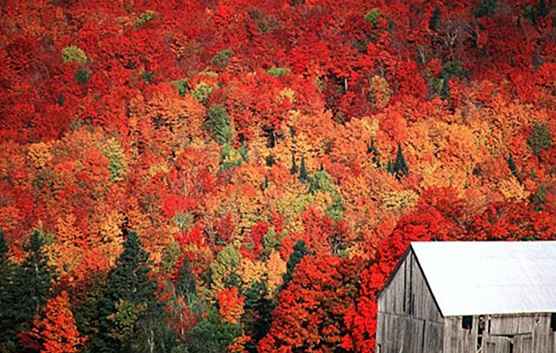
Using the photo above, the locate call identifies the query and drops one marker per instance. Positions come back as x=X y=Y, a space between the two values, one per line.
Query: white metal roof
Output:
x=474 y=278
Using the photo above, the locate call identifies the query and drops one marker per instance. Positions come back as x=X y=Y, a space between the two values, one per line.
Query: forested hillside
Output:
x=241 y=176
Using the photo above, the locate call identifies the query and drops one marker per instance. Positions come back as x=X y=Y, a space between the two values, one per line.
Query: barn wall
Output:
x=458 y=339
x=523 y=333
x=409 y=321
x=408 y=318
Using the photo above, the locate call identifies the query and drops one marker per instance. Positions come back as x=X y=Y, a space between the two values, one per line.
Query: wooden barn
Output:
x=470 y=297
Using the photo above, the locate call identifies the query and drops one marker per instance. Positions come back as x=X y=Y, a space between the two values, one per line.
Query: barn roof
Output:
x=475 y=278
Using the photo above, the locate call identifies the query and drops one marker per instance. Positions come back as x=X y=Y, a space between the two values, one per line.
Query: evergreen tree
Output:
x=185 y=284
x=434 y=22
x=211 y=335
x=293 y=169
x=400 y=169
x=299 y=251
x=373 y=150
x=257 y=316
x=543 y=9
x=7 y=332
x=303 y=174
x=24 y=290
x=3 y=249
x=390 y=167
x=130 y=314
x=486 y=8
x=218 y=123
x=87 y=315
x=512 y=166
x=540 y=138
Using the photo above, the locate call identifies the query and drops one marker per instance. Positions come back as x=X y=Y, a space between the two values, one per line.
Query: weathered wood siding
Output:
x=409 y=320
x=457 y=339
x=518 y=333
x=409 y=294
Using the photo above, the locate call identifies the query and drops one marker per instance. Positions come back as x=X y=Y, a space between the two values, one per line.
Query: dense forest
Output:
x=187 y=176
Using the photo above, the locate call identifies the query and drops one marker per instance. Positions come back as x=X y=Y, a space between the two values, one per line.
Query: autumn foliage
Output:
x=57 y=331
x=274 y=158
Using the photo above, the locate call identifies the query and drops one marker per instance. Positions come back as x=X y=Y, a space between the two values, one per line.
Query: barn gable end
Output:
x=407 y=303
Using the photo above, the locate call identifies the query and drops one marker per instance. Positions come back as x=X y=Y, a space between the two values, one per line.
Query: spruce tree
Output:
x=211 y=335
x=24 y=289
x=7 y=332
x=185 y=284
x=3 y=249
x=293 y=169
x=434 y=22
x=513 y=167
x=540 y=138
x=400 y=168
x=129 y=305
x=303 y=174
x=218 y=123
x=372 y=149
x=257 y=317
x=299 y=251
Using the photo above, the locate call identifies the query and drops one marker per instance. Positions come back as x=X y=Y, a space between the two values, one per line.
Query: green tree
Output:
x=222 y=58
x=257 y=316
x=399 y=168
x=299 y=251
x=540 y=138
x=3 y=249
x=211 y=335
x=7 y=332
x=82 y=76
x=303 y=174
x=86 y=313
x=293 y=169
x=131 y=317
x=538 y=199
x=24 y=289
x=434 y=21
x=372 y=17
x=218 y=123
x=512 y=166
x=485 y=8
x=223 y=268
x=185 y=284
x=373 y=150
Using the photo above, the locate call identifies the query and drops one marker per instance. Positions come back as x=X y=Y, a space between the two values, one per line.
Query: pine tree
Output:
x=24 y=290
x=486 y=8
x=512 y=166
x=293 y=169
x=211 y=335
x=218 y=123
x=373 y=150
x=3 y=249
x=129 y=305
x=299 y=251
x=400 y=168
x=87 y=316
x=257 y=316
x=542 y=9
x=185 y=284
x=7 y=323
x=540 y=138
x=303 y=174
x=434 y=22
